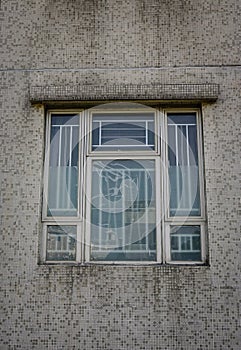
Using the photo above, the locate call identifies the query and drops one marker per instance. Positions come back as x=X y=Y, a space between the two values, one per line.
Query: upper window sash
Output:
x=132 y=131
x=184 y=165
x=61 y=178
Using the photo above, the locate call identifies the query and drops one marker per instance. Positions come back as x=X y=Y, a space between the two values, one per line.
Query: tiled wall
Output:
x=117 y=43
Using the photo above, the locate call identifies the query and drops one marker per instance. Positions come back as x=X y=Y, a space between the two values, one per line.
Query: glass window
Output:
x=123 y=218
x=185 y=243
x=61 y=243
x=123 y=131
x=183 y=165
x=63 y=165
x=129 y=196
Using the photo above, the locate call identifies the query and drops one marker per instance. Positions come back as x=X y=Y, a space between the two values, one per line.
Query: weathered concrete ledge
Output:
x=208 y=92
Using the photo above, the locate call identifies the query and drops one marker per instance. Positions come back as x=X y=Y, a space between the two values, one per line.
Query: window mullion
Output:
x=46 y=169
x=200 y=164
x=159 y=211
x=87 y=223
x=164 y=182
x=83 y=139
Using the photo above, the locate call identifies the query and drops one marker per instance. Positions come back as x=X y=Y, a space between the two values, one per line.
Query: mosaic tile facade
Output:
x=111 y=43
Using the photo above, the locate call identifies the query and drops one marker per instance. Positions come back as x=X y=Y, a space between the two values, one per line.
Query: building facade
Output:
x=137 y=102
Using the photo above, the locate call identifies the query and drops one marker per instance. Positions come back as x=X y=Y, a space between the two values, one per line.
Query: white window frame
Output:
x=123 y=110
x=183 y=220
x=202 y=241
x=45 y=217
x=157 y=202
x=159 y=154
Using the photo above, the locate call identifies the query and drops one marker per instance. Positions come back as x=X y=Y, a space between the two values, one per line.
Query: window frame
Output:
x=184 y=220
x=160 y=154
x=156 y=150
x=79 y=216
x=202 y=243
x=58 y=220
x=157 y=209
x=168 y=217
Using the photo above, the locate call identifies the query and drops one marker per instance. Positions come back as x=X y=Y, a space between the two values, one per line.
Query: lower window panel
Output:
x=61 y=243
x=112 y=250
x=185 y=243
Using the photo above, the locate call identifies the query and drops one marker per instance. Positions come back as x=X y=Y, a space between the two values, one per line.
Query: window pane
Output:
x=123 y=131
x=183 y=165
x=123 y=210
x=63 y=165
x=185 y=243
x=61 y=243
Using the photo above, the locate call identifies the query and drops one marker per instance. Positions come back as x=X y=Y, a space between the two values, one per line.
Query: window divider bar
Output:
x=146 y=133
x=71 y=146
x=100 y=132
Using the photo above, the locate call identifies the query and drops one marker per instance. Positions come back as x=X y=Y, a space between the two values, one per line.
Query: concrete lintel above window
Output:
x=197 y=92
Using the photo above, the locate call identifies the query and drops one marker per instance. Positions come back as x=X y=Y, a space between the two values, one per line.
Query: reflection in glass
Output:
x=123 y=131
x=183 y=165
x=63 y=165
x=123 y=210
x=61 y=243
x=185 y=243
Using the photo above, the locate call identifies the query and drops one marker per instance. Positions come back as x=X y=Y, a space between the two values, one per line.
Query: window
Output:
x=124 y=185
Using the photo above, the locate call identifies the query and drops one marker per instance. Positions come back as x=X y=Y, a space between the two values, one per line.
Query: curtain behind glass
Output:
x=123 y=210
x=183 y=165
x=63 y=166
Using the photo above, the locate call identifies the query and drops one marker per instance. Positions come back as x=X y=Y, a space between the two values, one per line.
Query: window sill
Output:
x=125 y=264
